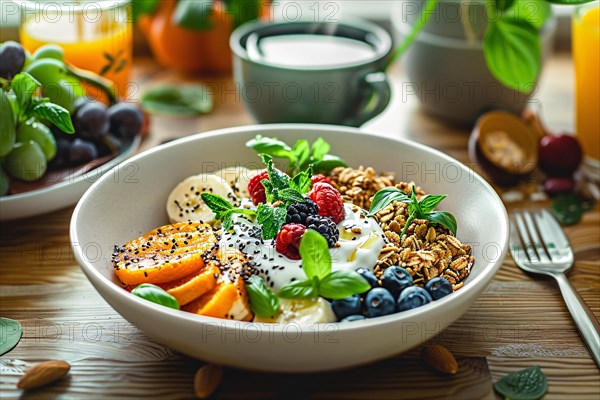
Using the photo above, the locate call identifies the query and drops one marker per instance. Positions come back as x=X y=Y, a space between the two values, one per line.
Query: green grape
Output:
x=26 y=161
x=28 y=59
x=49 y=51
x=39 y=133
x=61 y=93
x=7 y=125
x=47 y=70
x=4 y=183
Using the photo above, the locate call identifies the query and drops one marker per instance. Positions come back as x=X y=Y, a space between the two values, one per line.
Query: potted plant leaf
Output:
x=468 y=56
x=193 y=35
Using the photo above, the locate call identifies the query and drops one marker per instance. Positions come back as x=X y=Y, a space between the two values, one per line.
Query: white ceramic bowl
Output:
x=61 y=194
x=114 y=211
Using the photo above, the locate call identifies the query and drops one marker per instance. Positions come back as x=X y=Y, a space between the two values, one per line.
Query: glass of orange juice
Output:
x=95 y=35
x=586 y=55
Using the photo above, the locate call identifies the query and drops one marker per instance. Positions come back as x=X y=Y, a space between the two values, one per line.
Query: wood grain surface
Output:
x=519 y=321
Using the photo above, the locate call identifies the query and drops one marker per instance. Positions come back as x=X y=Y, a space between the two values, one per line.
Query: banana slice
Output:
x=302 y=311
x=184 y=202
x=237 y=178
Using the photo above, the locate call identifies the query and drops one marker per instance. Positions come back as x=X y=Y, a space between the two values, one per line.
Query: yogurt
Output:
x=361 y=240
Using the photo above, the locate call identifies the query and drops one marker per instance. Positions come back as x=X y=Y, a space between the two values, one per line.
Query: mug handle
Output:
x=380 y=94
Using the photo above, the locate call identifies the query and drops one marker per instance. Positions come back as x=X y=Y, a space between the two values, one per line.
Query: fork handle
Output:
x=584 y=317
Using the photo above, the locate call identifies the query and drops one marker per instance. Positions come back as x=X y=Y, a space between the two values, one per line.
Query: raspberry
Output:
x=329 y=201
x=287 y=241
x=256 y=188
x=325 y=226
x=297 y=212
x=319 y=178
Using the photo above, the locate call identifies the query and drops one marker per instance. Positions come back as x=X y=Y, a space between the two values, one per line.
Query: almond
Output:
x=207 y=380
x=43 y=373
x=439 y=358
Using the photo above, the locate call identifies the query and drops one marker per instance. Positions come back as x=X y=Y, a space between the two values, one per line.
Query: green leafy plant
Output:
x=263 y=301
x=155 y=294
x=301 y=156
x=421 y=209
x=195 y=15
x=224 y=210
x=511 y=42
x=177 y=100
x=527 y=384
x=321 y=281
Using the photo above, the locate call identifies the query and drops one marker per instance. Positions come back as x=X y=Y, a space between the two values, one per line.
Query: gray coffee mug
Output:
x=345 y=94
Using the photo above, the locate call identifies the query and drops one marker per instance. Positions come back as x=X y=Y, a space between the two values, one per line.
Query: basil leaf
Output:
x=527 y=384
x=24 y=86
x=413 y=205
x=429 y=202
x=301 y=152
x=271 y=219
x=155 y=294
x=10 y=334
x=319 y=148
x=55 y=114
x=299 y=290
x=185 y=100
x=263 y=301
x=534 y=12
x=341 y=284
x=512 y=51
x=270 y=146
x=217 y=204
x=328 y=163
x=290 y=195
x=314 y=251
x=194 y=15
x=301 y=181
x=443 y=218
x=385 y=197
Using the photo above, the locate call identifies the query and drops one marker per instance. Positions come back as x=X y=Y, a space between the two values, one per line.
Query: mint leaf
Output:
x=443 y=218
x=271 y=219
x=300 y=290
x=290 y=195
x=319 y=148
x=271 y=146
x=301 y=152
x=428 y=202
x=55 y=114
x=24 y=86
x=314 y=251
x=341 y=284
x=527 y=384
x=217 y=204
x=263 y=301
x=328 y=163
x=385 y=197
x=278 y=180
x=227 y=216
x=301 y=181
x=156 y=295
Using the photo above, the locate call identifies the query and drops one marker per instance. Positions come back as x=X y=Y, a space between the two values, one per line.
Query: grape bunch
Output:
x=64 y=128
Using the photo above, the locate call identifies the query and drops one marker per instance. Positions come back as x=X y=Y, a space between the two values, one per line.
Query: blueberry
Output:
x=396 y=279
x=356 y=317
x=413 y=297
x=369 y=276
x=438 y=287
x=378 y=302
x=345 y=307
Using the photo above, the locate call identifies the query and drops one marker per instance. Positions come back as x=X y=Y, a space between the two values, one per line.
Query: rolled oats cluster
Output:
x=425 y=251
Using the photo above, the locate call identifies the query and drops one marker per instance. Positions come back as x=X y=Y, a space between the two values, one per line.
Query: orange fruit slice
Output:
x=164 y=254
x=191 y=287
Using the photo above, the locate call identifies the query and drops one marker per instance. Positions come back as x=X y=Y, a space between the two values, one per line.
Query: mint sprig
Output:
x=526 y=384
x=271 y=219
x=223 y=209
x=263 y=301
x=301 y=156
x=321 y=281
x=423 y=209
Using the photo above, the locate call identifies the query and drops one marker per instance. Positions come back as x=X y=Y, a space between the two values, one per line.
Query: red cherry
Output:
x=556 y=186
x=559 y=155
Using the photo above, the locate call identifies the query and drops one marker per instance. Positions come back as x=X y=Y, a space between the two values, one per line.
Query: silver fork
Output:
x=538 y=245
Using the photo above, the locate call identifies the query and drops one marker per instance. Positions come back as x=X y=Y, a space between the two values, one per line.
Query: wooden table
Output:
x=519 y=321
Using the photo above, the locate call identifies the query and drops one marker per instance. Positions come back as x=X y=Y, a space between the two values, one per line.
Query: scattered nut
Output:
x=43 y=374
x=207 y=380
x=439 y=358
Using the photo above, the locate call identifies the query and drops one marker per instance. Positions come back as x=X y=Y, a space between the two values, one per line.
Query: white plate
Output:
x=60 y=195
x=113 y=212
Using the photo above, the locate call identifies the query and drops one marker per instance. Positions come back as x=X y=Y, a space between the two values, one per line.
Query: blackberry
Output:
x=298 y=212
x=325 y=226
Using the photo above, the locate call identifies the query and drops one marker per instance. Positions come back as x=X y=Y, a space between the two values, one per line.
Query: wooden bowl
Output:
x=504 y=146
